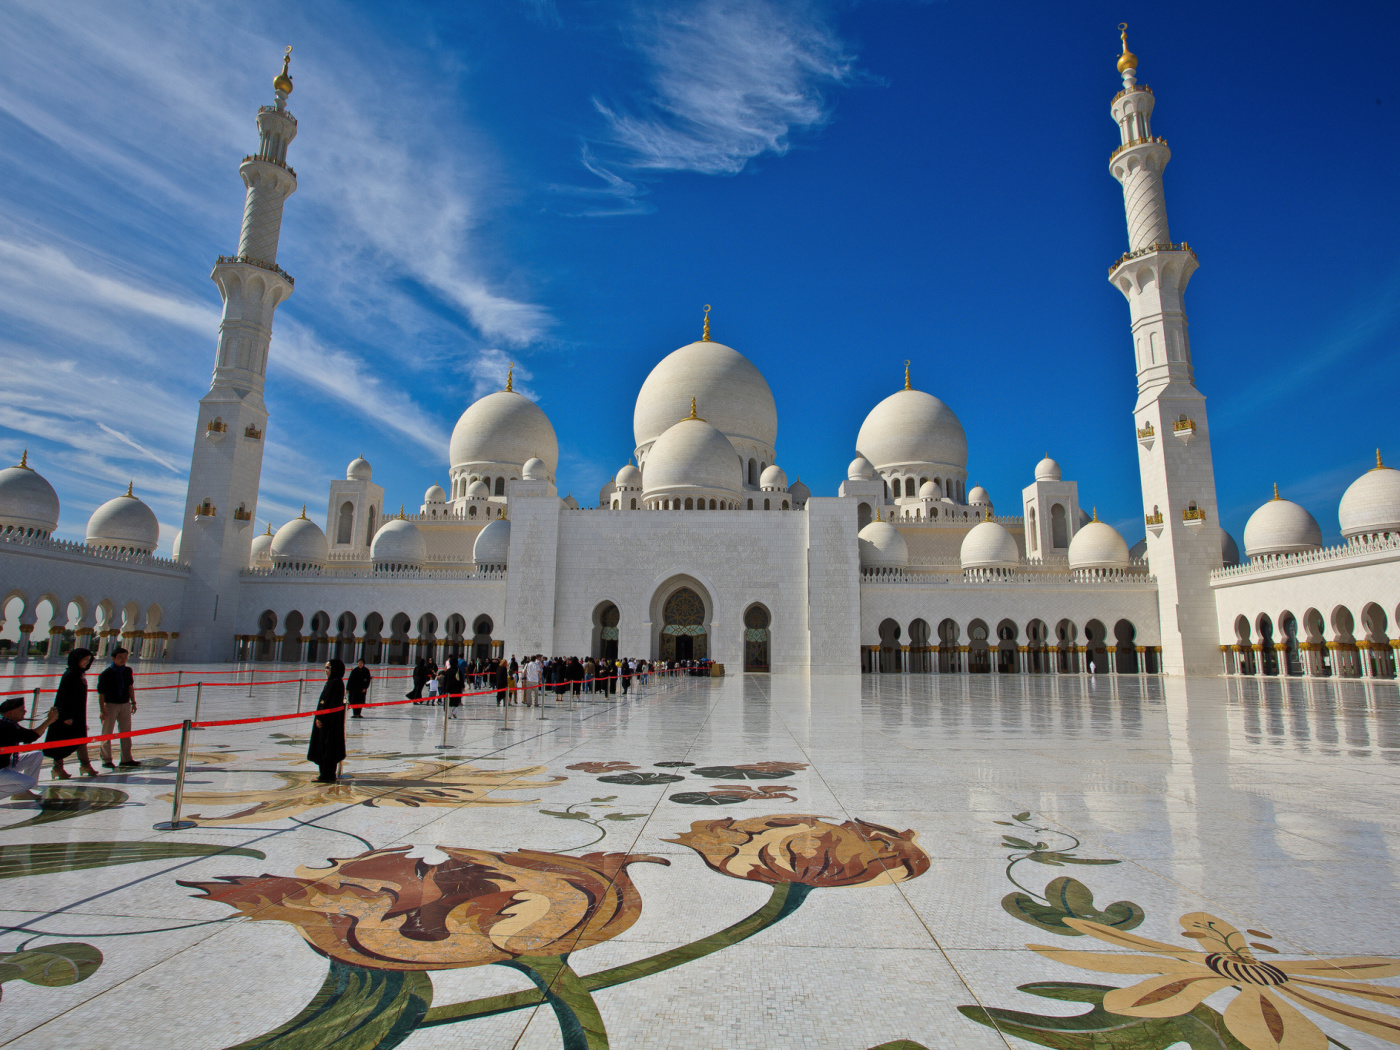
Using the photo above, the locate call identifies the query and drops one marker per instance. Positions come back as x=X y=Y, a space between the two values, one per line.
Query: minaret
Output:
x=228 y=444
x=1178 y=480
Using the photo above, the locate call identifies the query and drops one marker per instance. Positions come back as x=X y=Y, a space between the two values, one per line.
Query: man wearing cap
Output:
x=19 y=773
x=116 y=698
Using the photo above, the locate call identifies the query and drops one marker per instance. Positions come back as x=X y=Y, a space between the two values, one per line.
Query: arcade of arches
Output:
x=1311 y=645
x=1006 y=648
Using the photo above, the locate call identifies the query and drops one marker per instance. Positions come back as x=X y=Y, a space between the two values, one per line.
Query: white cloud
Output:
x=730 y=79
x=489 y=369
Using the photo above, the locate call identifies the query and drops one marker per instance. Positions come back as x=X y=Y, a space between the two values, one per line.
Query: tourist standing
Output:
x=71 y=724
x=19 y=773
x=590 y=671
x=500 y=678
x=357 y=686
x=327 y=748
x=533 y=670
x=623 y=669
x=420 y=679
x=116 y=703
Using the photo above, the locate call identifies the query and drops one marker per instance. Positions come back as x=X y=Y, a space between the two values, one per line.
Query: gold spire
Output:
x=877 y=513
x=269 y=527
x=691 y=416
x=24 y=459
x=510 y=378
x=402 y=516
x=906 y=375
x=1379 y=464
x=129 y=486
x=303 y=510
x=283 y=81
x=1096 y=514
x=705 y=335
x=1276 y=495
x=1127 y=60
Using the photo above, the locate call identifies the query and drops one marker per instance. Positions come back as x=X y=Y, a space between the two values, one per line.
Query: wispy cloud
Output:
x=488 y=371
x=729 y=80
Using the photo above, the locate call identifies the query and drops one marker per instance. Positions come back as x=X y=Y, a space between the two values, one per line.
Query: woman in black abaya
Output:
x=327 y=748
x=71 y=701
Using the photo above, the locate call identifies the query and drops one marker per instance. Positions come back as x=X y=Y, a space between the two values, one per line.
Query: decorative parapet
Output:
x=1195 y=514
x=1326 y=556
x=1133 y=576
x=280 y=112
x=1147 y=431
x=104 y=554
x=272 y=160
x=242 y=514
x=1125 y=91
x=206 y=510
x=1165 y=246
x=216 y=426
x=482 y=573
x=1153 y=519
x=248 y=260
x=252 y=433
x=1151 y=139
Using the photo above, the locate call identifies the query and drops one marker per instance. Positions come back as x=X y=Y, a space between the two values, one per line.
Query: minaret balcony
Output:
x=248 y=260
x=1149 y=249
x=272 y=160
x=215 y=430
x=1184 y=428
x=206 y=510
x=252 y=433
x=1193 y=516
x=1155 y=522
x=1155 y=140
x=1147 y=435
x=1130 y=90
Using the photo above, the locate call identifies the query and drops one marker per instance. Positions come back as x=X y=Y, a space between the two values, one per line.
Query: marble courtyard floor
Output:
x=669 y=845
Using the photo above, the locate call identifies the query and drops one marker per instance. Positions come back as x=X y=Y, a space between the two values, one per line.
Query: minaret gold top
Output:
x=906 y=375
x=283 y=81
x=705 y=335
x=1127 y=60
x=510 y=378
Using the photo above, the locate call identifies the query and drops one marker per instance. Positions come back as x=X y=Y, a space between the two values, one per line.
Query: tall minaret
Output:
x=228 y=442
x=1178 y=480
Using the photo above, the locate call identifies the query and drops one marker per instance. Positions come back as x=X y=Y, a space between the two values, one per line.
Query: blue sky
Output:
x=566 y=184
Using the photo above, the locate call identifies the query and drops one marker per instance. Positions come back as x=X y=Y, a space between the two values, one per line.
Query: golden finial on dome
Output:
x=24 y=459
x=269 y=527
x=692 y=412
x=877 y=513
x=1096 y=514
x=303 y=510
x=1276 y=495
x=129 y=486
x=1127 y=60
x=283 y=81
x=1379 y=464
x=705 y=335
x=510 y=378
x=906 y=375
x=402 y=516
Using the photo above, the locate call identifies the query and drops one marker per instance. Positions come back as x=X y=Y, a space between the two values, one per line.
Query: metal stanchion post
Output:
x=301 y=684
x=179 y=677
x=175 y=823
x=250 y=678
x=198 y=693
x=446 y=714
x=34 y=708
x=505 y=710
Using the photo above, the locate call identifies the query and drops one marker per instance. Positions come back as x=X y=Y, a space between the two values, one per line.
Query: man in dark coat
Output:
x=500 y=680
x=357 y=686
x=327 y=747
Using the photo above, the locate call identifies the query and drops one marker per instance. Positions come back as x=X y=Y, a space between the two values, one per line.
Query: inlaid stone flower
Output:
x=1262 y=1016
x=806 y=850
x=386 y=910
x=602 y=767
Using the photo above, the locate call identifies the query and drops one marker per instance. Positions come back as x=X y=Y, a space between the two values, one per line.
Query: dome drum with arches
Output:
x=124 y=524
x=911 y=432
x=499 y=433
x=28 y=503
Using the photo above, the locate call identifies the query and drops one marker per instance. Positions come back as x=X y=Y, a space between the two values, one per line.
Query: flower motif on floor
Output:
x=432 y=783
x=806 y=850
x=1261 y=1016
x=602 y=767
x=384 y=910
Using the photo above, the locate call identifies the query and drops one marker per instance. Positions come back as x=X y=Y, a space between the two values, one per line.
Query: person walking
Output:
x=420 y=679
x=590 y=671
x=327 y=747
x=116 y=703
x=19 y=773
x=533 y=670
x=500 y=678
x=357 y=686
x=449 y=685
x=624 y=674
x=71 y=724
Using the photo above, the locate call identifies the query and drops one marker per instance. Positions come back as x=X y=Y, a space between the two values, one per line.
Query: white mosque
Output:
x=702 y=547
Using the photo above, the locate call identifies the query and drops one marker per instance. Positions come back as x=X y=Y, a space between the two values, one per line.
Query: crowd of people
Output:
x=526 y=681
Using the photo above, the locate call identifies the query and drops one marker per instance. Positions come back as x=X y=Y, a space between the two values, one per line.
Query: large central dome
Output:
x=912 y=427
x=504 y=428
x=730 y=392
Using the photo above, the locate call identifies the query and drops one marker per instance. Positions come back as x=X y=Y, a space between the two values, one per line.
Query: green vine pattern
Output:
x=574 y=811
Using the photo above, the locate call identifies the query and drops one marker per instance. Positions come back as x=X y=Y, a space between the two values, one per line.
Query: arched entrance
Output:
x=606 y=618
x=481 y=638
x=979 y=659
x=889 y=647
x=756 y=621
x=684 y=635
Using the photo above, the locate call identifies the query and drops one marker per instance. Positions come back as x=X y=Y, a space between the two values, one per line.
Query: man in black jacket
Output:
x=357 y=686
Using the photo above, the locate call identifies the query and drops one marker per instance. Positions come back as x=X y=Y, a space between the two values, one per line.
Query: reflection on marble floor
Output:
x=895 y=862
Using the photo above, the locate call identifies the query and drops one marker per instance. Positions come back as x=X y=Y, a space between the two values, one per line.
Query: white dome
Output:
x=692 y=457
x=978 y=497
x=989 y=546
x=398 y=542
x=299 y=542
x=435 y=494
x=27 y=500
x=124 y=523
x=260 y=556
x=570 y=502
x=1047 y=470
x=359 y=470
x=882 y=547
x=799 y=492
x=928 y=490
x=175 y=545
x=534 y=470
x=774 y=477
x=1098 y=546
x=1370 y=504
x=1229 y=549
x=910 y=427
x=629 y=477
x=503 y=429
x=492 y=545
x=730 y=392
x=1139 y=549
x=1280 y=527
x=861 y=469
x=478 y=490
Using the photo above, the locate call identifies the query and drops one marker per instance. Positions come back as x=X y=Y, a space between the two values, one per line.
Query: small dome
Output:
x=260 y=557
x=124 y=523
x=799 y=492
x=478 y=490
x=910 y=427
x=1280 y=527
x=399 y=543
x=1138 y=551
x=989 y=546
x=1229 y=549
x=175 y=546
x=570 y=502
x=1098 y=546
x=978 y=497
x=534 y=470
x=774 y=477
x=359 y=470
x=503 y=429
x=299 y=542
x=1047 y=470
x=861 y=469
x=27 y=500
x=629 y=477
x=731 y=392
x=1371 y=504
x=435 y=494
x=928 y=490
x=692 y=456
x=492 y=545
x=882 y=547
